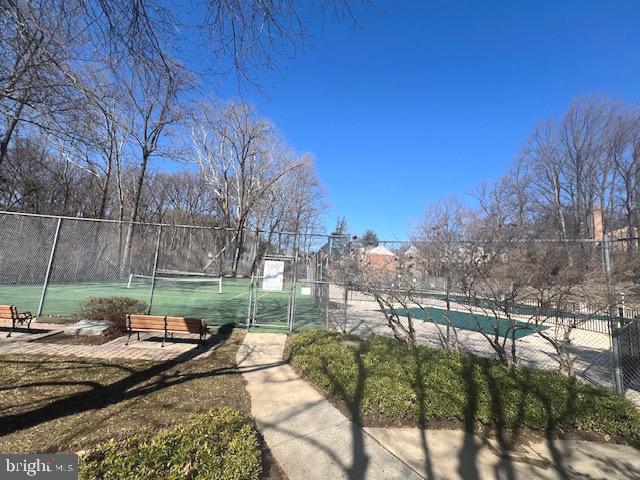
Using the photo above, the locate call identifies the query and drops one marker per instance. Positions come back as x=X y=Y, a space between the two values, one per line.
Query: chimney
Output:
x=598 y=229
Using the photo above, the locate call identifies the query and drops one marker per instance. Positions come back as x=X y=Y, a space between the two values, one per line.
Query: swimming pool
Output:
x=471 y=321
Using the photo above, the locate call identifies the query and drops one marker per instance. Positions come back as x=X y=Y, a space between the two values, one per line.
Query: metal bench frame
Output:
x=19 y=318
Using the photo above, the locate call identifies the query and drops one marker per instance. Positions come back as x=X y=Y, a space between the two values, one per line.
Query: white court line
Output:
x=238 y=295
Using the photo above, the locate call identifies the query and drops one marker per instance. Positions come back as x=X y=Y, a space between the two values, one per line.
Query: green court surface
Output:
x=471 y=321
x=197 y=300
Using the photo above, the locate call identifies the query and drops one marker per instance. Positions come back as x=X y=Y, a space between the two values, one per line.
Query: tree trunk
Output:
x=237 y=252
x=134 y=211
x=559 y=212
x=6 y=137
x=105 y=191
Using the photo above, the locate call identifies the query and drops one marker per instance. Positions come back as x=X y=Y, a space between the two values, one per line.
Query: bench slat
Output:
x=158 y=323
x=147 y=317
x=7 y=310
x=184 y=324
x=187 y=329
x=147 y=324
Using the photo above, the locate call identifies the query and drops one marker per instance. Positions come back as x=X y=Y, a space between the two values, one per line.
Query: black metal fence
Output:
x=629 y=337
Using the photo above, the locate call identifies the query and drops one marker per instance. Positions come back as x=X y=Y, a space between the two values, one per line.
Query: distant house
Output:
x=598 y=229
x=381 y=258
x=412 y=252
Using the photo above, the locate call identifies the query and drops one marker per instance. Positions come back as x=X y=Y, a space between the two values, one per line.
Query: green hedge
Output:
x=220 y=444
x=381 y=377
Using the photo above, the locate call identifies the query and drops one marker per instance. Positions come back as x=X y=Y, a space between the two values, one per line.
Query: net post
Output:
x=155 y=268
x=48 y=274
x=220 y=284
x=130 y=280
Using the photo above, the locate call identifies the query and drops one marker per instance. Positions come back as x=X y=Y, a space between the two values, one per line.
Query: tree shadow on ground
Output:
x=506 y=421
x=360 y=460
x=136 y=383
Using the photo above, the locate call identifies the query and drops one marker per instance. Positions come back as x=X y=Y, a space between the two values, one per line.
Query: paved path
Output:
x=454 y=454
x=309 y=438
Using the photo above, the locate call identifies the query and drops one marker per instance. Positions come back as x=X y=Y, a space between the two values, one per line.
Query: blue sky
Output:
x=425 y=99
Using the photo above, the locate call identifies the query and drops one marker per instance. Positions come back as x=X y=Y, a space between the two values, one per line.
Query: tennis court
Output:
x=470 y=321
x=189 y=299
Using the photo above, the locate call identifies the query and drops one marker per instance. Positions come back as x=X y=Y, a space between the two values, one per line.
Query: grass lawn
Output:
x=52 y=404
x=379 y=381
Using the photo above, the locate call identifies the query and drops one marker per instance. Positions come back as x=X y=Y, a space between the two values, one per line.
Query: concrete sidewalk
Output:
x=309 y=438
x=453 y=454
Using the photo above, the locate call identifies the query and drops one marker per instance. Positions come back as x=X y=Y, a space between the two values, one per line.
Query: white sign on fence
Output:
x=273 y=277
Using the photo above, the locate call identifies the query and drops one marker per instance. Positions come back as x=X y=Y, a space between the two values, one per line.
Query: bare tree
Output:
x=623 y=148
x=153 y=105
x=580 y=134
x=38 y=43
x=238 y=36
x=548 y=172
x=241 y=158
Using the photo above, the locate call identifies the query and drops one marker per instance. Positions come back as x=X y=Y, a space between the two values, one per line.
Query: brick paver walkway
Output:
x=148 y=348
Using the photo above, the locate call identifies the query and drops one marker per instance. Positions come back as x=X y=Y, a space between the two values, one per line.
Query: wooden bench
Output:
x=159 y=323
x=9 y=313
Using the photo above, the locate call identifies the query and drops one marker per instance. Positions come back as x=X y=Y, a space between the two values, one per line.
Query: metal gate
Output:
x=270 y=306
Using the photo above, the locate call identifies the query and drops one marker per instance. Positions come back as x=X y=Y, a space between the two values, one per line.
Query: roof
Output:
x=380 y=250
x=411 y=251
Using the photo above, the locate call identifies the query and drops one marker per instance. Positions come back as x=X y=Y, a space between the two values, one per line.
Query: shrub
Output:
x=384 y=378
x=112 y=309
x=220 y=444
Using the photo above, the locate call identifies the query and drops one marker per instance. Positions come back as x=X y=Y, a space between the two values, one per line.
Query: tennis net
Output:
x=188 y=283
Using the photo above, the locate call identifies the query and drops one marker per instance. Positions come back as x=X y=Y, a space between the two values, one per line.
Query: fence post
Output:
x=613 y=314
x=325 y=296
x=48 y=274
x=250 y=303
x=254 y=276
x=294 y=281
x=155 y=267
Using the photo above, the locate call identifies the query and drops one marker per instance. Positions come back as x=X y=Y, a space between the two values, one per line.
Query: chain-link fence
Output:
x=555 y=305
x=51 y=265
x=544 y=304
